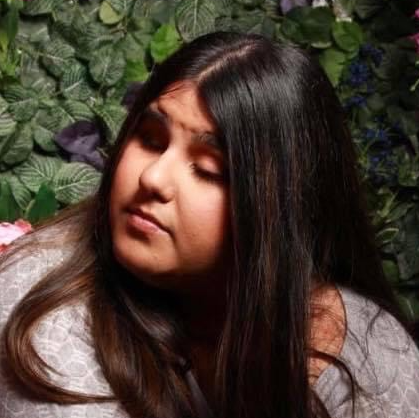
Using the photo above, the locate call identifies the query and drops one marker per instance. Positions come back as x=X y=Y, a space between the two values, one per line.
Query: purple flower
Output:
x=368 y=50
x=382 y=169
x=359 y=74
x=354 y=101
x=415 y=39
x=287 y=5
x=81 y=140
x=369 y=133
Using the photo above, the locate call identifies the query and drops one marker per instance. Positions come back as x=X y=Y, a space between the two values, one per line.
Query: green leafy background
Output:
x=65 y=61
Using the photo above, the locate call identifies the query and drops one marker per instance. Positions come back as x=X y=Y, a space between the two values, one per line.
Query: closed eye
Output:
x=208 y=175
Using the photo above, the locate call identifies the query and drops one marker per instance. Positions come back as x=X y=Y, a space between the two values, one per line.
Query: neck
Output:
x=202 y=310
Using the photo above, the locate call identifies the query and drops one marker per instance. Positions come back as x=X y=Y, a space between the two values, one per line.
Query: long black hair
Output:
x=298 y=219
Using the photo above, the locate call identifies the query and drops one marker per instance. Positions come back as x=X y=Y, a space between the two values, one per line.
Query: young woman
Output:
x=225 y=268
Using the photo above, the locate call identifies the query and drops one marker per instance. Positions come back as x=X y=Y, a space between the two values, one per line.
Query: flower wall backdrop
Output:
x=69 y=69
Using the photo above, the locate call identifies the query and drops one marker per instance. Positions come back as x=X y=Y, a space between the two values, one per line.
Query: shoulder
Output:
x=62 y=338
x=383 y=360
x=23 y=265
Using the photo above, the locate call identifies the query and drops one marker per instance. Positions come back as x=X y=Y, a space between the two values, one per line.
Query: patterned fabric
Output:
x=385 y=361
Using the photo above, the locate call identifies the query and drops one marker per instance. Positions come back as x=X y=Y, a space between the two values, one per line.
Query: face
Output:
x=169 y=212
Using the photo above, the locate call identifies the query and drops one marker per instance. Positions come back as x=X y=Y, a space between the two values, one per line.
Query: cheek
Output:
x=125 y=176
x=206 y=221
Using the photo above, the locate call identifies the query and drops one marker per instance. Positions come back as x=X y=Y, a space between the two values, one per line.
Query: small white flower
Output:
x=343 y=19
x=320 y=3
x=342 y=14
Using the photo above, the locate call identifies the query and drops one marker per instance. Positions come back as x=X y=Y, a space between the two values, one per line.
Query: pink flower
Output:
x=9 y=232
x=415 y=38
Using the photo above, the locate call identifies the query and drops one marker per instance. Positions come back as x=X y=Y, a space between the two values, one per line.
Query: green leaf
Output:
x=367 y=8
x=112 y=115
x=254 y=21
x=134 y=46
x=33 y=31
x=250 y=3
x=55 y=56
x=74 y=182
x=293 y=31
x=39 y=7
x=333 y=62
x=85 y=36
x=49 y=119
x=223 y=23
x=4 y=40
x=317 y=25
x=107 y=66
x=408 y=166
x=386 y=235
x=21 y=194
x=43 y=206
x=391 y=271
x=135 y=71
x=160 y=11
x=44 y=138
x=20 y=146
x=347 y=35
x=108 y=14
x=78 y=110
x=143 y=26
x=407 y=119
x=9 y=209
x=62 y=114
x=398 y=211
x=9 y=26
x=7 y=124
x=36 y=170
x=164 y=42
x=409 y=303
x=23 y=102
x=123 y=7
x=375 y=102
x=408 y=259
x=3 y=105
x=194 y=18
x=224 y=8
x=35 y=77
x=74 y=84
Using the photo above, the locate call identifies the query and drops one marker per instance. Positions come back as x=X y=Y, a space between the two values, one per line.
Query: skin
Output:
x=162 y=169
x=158 y=172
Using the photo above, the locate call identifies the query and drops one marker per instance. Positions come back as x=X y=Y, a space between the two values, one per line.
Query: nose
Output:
x=156 y=178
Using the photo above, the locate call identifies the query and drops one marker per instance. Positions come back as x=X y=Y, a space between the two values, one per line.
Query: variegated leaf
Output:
x=37 y=169
x=107 y=66
x=74 y=182
x=194 y=18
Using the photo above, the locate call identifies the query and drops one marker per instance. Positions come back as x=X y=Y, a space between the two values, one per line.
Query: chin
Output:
x=148 y=271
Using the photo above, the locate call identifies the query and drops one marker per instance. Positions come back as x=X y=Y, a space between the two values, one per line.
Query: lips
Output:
x=149 y=217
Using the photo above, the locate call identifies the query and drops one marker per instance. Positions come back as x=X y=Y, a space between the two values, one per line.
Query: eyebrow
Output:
x=205 y=138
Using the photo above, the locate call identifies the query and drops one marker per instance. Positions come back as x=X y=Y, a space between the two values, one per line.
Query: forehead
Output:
x=182 y=106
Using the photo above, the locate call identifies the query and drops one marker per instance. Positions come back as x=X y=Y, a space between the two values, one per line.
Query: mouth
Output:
x=144 y=221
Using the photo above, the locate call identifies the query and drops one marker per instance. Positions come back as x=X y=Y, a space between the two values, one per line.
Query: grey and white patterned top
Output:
x=388 y=371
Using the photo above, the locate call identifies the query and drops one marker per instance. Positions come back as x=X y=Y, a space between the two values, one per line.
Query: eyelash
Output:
x=205 y=175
